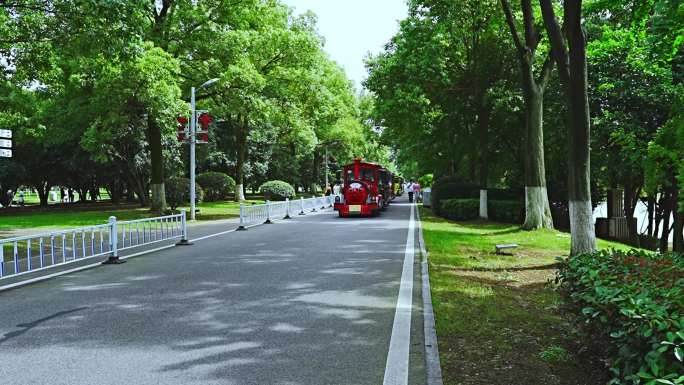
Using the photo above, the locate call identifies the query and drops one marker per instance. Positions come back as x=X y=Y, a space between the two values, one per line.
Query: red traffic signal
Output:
x=204 y=121
x=203 y=137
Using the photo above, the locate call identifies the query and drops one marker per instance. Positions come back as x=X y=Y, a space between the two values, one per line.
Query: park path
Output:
x=306 y=301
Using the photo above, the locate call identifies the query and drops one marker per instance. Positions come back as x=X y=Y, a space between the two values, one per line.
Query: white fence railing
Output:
x=31 y=253
x=266 y=212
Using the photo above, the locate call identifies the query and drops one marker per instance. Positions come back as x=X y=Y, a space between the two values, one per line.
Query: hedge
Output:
x=451 y=187
x=636 y=299
x=277 y=190
x=178 y=191
x=217 y=186
x=506 y=211
x=460 y=209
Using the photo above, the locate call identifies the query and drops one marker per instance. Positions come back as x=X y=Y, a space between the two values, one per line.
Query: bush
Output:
x=451 y=188
x=425 y=180
x=506 y=211
x=277 y=190
x=217 y=186
x=460 y=209
x=506 y=194
x=636 y=299
x=178 y=192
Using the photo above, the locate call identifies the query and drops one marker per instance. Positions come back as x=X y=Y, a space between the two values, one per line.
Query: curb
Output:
x=432 y=364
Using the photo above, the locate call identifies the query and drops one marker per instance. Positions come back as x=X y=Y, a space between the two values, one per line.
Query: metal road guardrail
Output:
x=267 y=212
x=32 y=253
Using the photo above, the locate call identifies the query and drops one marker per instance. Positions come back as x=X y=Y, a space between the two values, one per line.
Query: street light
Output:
x=193 y=140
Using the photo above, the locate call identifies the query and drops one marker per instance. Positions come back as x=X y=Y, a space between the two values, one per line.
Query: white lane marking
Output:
x=397 y=366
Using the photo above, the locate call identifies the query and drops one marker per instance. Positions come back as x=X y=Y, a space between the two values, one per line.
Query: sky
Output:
x=352 y=28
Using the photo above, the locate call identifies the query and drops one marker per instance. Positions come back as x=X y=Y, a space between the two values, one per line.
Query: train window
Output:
x=368 y=174
x=350 y=175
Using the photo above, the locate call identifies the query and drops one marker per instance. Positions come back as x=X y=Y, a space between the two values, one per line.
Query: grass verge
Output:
x=46 y=220
x=498 y=318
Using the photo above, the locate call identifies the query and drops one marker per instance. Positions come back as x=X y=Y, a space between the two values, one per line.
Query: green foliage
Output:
x=506 y=211
x=637 y=299
x=178 y=192
x=426 y=180
x=554 y=354
x=451 y=187
x=216 y=185
x=460 y=209
x=277 y=190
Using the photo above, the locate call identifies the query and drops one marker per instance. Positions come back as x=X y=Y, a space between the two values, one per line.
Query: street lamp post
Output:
x=193 y=141
x=326 y=167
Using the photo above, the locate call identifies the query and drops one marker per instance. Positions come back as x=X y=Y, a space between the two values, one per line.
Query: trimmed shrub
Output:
x=506 y=194
x=460 y=209
x=451 y=188
x=506 y=211
x=178 y=192
x=277 y=190
x=217 y=186
x=635 y=299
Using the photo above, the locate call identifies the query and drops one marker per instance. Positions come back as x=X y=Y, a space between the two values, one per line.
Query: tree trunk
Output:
x=241 y=143
x=483 y=128
x=158 y=202
x=651 y=208
x=665 y=235
x=537 y=208
x=316 y=173
x=43 y=193
x=572 y=69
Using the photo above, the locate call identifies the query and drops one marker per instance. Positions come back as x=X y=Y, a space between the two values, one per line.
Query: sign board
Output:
x=4 y=153
x=5 y=143
x=6 y=134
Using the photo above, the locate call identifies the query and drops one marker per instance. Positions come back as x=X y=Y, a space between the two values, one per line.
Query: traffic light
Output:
x=182 y=128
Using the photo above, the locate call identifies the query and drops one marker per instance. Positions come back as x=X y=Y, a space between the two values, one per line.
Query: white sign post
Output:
x=5 y=153
x=6 y=143
x=6 y=134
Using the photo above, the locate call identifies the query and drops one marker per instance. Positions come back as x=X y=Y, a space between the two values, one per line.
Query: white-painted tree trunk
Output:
x=240 y=191
x=583 y=238
x=537 y=209
x=483 y=205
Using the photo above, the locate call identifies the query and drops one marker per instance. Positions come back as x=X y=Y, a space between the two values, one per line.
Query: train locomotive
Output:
x=367 y=189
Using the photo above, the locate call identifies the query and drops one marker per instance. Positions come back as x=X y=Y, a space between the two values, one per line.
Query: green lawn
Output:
x=65 y=219
x=498 y=317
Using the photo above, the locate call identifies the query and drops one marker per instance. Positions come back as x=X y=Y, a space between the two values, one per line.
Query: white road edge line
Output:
x=93 y=265
x=397 y=366
x=432 y=363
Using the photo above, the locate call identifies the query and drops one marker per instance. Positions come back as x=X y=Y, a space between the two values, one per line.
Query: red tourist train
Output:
x=367 y=189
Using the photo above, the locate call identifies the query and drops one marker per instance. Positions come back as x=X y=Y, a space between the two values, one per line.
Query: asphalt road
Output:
x=306 y=301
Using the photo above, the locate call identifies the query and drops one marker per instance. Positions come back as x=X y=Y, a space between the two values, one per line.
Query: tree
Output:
x=568 y=47
x=537 y=209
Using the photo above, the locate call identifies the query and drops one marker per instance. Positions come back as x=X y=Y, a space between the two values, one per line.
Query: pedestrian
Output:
x=328 y=190
x=71 y=195
x=409 y=188
x=337 y=189
x=416 y=192
x=21 y=198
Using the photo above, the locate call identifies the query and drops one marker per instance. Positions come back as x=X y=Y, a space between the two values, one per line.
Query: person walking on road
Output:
x=410 y=191
x=416 y=192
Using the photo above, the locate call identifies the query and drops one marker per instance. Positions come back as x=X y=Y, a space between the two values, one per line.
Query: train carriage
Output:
x=367 y=189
